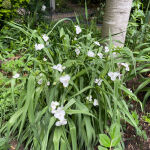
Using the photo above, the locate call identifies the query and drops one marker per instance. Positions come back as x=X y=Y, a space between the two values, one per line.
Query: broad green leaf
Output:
x=104 y=140
x=115 y=141
x=114 y=130
x=102 y=148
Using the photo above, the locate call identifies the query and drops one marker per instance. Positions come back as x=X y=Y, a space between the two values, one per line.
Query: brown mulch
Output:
x=132 y=140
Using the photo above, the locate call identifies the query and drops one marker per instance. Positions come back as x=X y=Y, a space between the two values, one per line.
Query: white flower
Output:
x=95 y=103
x=41 y=75
x=65 y=80
x=60 y=113
x=45 y=37
x=114 y=75
x=91 y=54
x=43 y=8
x=61 y=122
x=48 y=83
x=75 y=38
x=126 y=66
x=59 y=67
x=44 y=59
x=77 y=51
x=17 y=75
x=100 y=55
x=39 y=46
x=89 y=98
x=98 y=81
x=54 y=104
x=40 y=81
x=97 y=43
x=106 y=49
x=78 y=29
x=130 y=90
x=114 y=54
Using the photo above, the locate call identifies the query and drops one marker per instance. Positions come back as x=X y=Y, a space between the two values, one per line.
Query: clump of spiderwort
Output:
x=59 y=113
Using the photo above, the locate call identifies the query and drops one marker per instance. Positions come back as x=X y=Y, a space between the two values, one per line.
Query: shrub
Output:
x=9 y=8
x=74 y=91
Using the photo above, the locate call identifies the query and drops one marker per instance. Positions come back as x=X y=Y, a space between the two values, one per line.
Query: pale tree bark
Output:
x=116 y=19
x=52 y=5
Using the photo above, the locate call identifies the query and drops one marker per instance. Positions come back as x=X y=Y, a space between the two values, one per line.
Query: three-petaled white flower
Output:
x=100 y=55
x=97 y=43
x=44 y=59
x=17 y=75
x=106 y=49
x=48 y=83
x=114 y=54
x=45 y=37
x=59 y=67
x=91 y=54
x=43 y=8
x=95 y=103
x=60 y=113
x=77 y=50
x=54 y=104
x=89 y=98
x=40 y=81
x=75 y=38
x=125 y=65
x=98 y=81
x=114 y=75
x=39 y=46
x=78 y=29
x=65 y=80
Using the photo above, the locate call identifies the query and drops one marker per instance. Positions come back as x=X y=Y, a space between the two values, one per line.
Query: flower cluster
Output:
x=59 y=113
x=45 y=37
x=65 y=80
x=90 y=99
x=98 y=81
x=100 y=55
x=97 y=43
x=17 y=75
x=91 y=54
x=125 y=65
x=39 y=46
x=44 y=59
x=78 y=29
x=106 y=49
x=77 y=50
x=59 y=67
x=43 y=8
x=114 y=75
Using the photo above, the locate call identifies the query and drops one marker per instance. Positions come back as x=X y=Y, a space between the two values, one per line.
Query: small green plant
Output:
x=146 y=118
x=9 y=8
x=111 y=141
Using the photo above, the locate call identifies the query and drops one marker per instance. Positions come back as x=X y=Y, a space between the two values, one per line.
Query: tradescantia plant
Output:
x=75 y=90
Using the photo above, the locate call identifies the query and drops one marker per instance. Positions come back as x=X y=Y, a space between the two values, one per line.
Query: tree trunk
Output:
x=52 y=5
x=116 y=19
